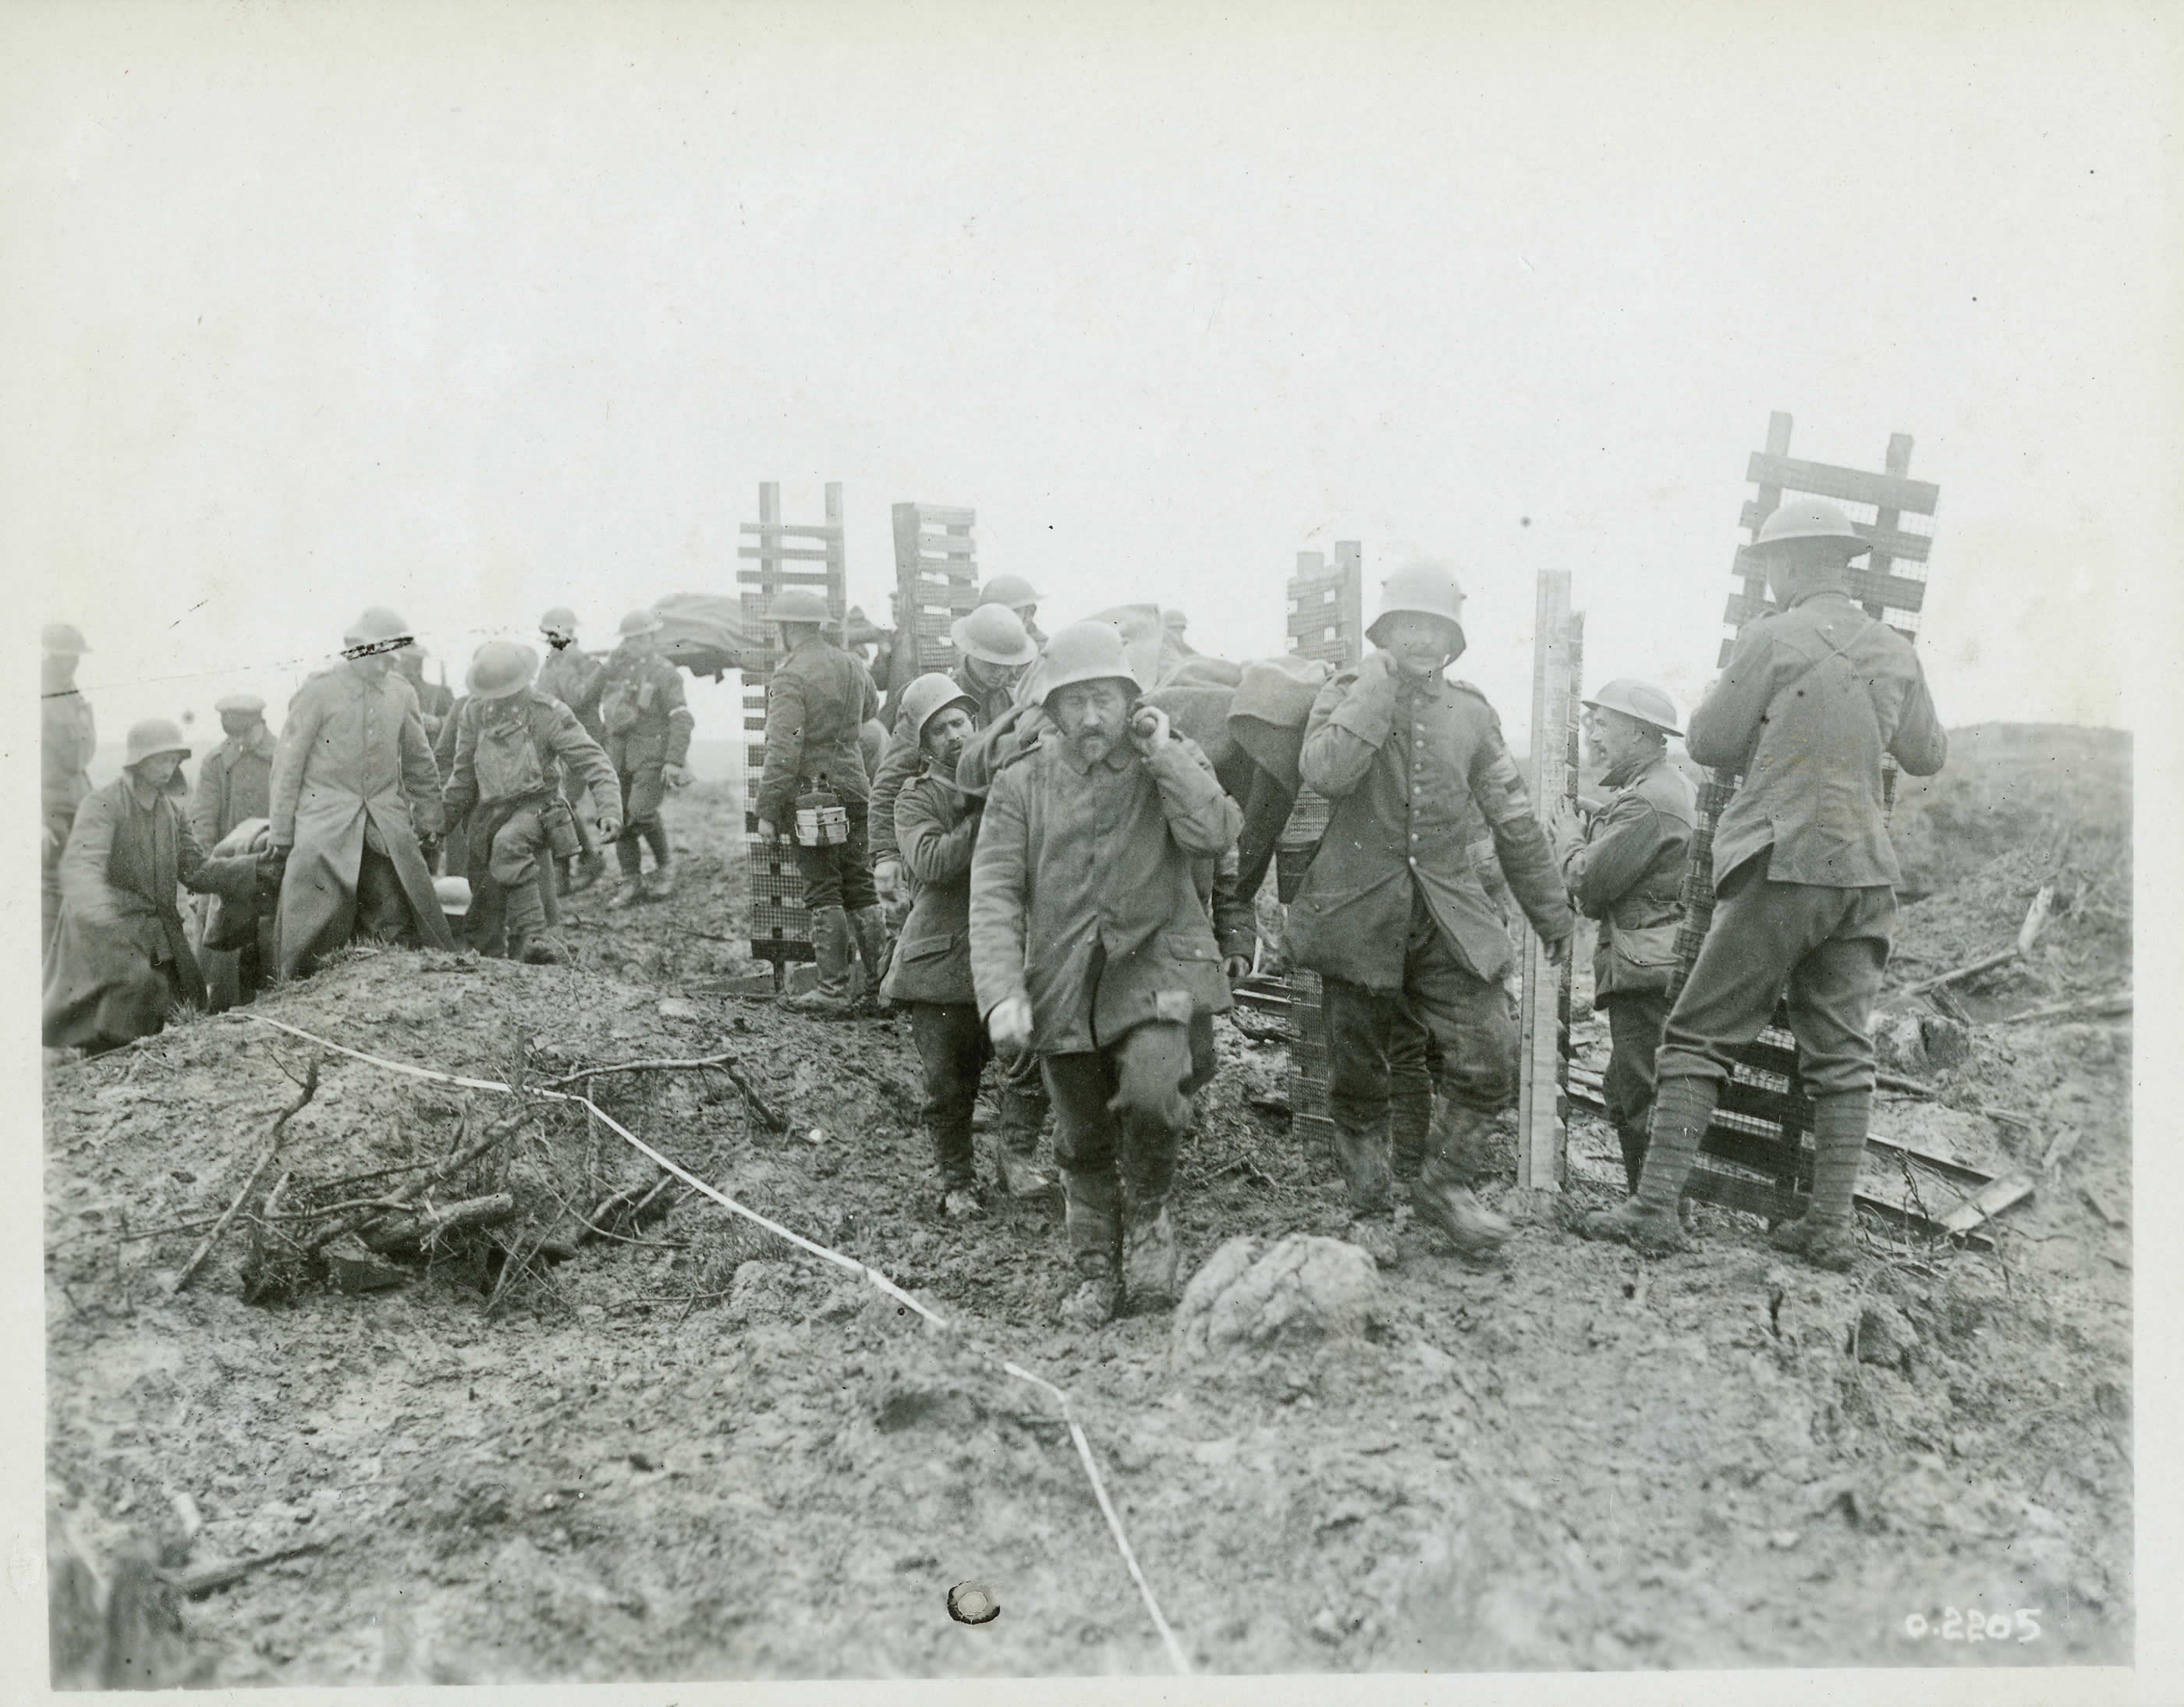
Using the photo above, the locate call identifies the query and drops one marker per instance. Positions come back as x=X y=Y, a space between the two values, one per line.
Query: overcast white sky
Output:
x=470 y=311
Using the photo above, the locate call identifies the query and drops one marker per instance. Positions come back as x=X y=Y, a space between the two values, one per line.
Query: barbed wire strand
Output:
x=1175 y=1653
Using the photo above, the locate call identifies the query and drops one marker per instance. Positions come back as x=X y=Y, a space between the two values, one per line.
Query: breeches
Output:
x=841 y=875
x=1122 y=1110
x=1824 y=948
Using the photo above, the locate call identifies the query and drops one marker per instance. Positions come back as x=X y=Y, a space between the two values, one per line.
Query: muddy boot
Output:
x=1375 y=1235
x=868 y=927
x=588 y=869
x=1095 y=1236
x=1459 y=1136
x=1633 y=1140
x=543 y=950
x=1149 y=1259
x=830 y=941
x=528 y=939
x=629 y=890
x=1639 y=1225
x=661 y=884
x=1362 y=1151
x=1827 y=1235
x=1443 y=1195
x=959 y=1182
x=1017 y=1149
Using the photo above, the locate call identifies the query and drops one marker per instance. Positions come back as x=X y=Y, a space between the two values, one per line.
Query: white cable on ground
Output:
x=1175 y=1652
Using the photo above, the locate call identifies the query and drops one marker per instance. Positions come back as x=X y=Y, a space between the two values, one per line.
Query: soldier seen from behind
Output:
x=1393 y=914
x=1624 y=866
x=648 y=727
x=575 y=677
x=1811 y=699
x=512 y=743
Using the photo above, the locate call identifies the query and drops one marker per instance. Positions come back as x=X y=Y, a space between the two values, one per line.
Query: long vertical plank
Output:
x=1540 y=1092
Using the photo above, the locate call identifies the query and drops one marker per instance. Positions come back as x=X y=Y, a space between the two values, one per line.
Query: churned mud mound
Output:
x=688 y=1450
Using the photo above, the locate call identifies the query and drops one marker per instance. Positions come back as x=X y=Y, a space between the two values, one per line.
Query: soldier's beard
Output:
x=1094 y=744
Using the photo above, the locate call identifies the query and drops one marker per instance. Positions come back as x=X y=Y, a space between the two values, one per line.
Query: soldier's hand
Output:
x=766 y=832
x=1238 y=966
x=887 y=877
x=1148 y=729
x=54 y=839
x=1010 y=1026
x=1561 y=822
x=1558 y=948
x=430 y=847
x=609 y=830
x=675 y=776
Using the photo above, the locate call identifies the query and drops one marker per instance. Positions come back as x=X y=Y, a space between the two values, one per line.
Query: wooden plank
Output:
x=785 y=553
x=950 y=546
x=946 y=514
x=1844 y=485
x=775 y=579
x=1869 y=588
x=1540 y=1124
x=821 y=530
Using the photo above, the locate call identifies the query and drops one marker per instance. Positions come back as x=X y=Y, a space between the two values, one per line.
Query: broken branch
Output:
x=309 y=1089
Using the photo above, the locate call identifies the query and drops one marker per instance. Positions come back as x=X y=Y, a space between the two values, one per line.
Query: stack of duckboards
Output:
x=936 y=570
x=1326 y=621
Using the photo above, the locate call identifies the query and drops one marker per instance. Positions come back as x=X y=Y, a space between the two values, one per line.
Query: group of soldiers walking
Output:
x=1033 y=863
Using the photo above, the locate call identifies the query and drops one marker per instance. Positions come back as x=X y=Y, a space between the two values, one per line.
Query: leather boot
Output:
x=1443 y=1194
x=1633 y=1140
x=831 y=943
x=1149 y=1259
x=661 y=884
x=1362 y=1153
x=1459 y=1135
x=1094 y=1230
x=1016 y=1146
x=868 y=925
x=959 y=1183
x=590 y=868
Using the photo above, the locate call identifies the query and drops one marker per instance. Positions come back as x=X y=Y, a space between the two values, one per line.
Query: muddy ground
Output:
x=693 y=1452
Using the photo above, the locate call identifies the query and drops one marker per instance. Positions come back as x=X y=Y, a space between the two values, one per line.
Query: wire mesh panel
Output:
x=1327 y=621
x=1757 y=1154
x=785 y=554
x=936 y=568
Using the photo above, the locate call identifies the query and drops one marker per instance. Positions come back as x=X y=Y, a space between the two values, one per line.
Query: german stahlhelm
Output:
x=1012 y=590
x=1088 y=652
x=153 y=736
x=1422 y=589
x=454 y=896
x=63 y=639
x=641 y=622
x=500 y=668
x=377 y=630
x=1642 y=701
x=559 y=623
x=928 y=696
x=1808 y=518
x=798 y=604
x=994 y=634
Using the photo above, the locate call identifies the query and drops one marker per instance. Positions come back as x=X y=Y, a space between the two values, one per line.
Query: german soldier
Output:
x=69 y=736
x=1626 y=867
x=511 y=745
x=1804 y=874
x=355 y=803
x=1394 y=917
x=1091 y=945
x=648 y=727
x=574 y=677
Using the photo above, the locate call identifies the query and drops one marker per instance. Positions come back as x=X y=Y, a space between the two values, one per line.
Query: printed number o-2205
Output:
x=1975 y=1625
